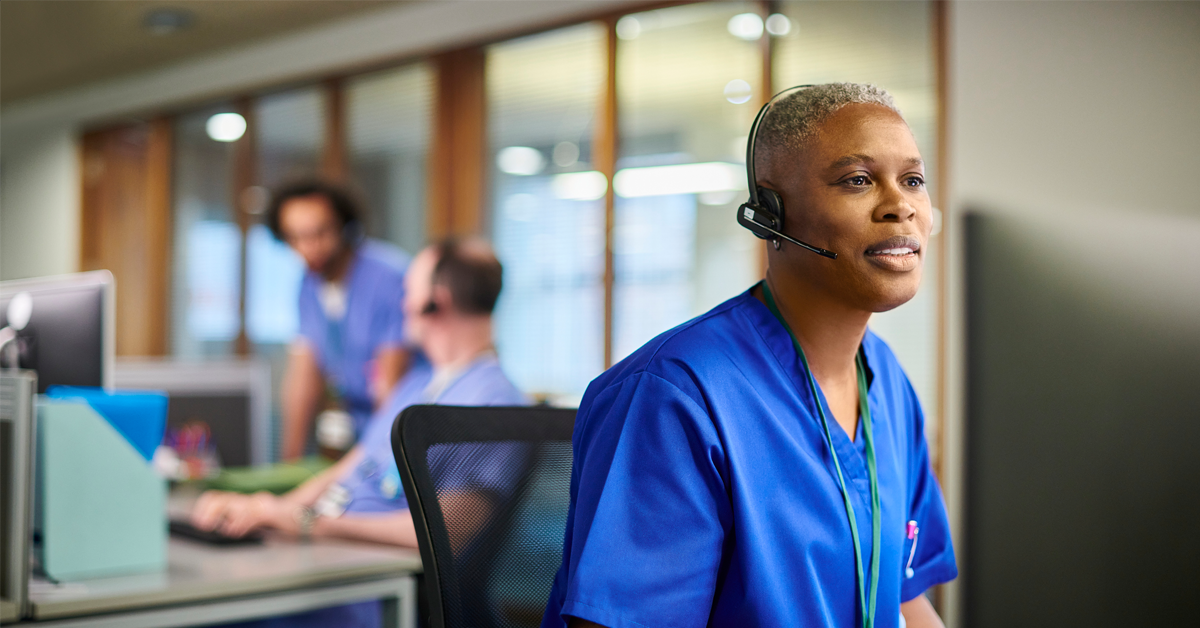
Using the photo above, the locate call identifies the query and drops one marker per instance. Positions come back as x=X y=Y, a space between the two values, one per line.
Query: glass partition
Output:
x=388 y=120
x=289 y=127
x=547 y=217
x=889 y=44
x=206 y=275
x=687 y=83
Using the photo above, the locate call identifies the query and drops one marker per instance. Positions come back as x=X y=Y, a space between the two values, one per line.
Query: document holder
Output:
x=101 y=507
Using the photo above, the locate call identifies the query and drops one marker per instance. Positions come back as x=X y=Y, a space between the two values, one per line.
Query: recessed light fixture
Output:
x=745 y=26
x=167 y=21
x=226 y=127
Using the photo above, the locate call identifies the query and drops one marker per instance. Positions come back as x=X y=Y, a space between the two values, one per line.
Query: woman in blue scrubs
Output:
x=765 y=464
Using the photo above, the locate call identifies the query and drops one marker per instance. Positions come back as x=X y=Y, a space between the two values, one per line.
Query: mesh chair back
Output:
x=488 y=489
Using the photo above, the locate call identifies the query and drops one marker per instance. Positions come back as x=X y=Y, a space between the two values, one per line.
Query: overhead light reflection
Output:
x=629 y=27
x=520 y=160
x=713 y=176
x=579 y=186
x=778 y=24
x=226 y=127
x=747 y=26
x=738 y=91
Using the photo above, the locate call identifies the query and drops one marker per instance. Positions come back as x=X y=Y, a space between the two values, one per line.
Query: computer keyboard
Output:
x=185 y=529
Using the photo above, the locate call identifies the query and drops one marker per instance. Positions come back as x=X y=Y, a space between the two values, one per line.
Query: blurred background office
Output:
x=598 y=144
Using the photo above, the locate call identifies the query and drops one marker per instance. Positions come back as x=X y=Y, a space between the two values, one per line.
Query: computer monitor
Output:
x=232 y=397
x=1083 y=420
x=69 y=338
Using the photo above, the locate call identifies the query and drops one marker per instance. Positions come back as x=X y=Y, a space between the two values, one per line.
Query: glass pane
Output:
x=273 y=273
x=388 y=117
x=688 y=78
x=889 y=44
x=548 y=208
x=289 y=127
x=206 y=274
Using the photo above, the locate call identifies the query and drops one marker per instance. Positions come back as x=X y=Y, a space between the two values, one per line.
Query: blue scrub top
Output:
x=374 y=484
x=703 y=492
x=373 y=320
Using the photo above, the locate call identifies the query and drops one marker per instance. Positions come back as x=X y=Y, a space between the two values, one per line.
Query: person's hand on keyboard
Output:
x=235 y=515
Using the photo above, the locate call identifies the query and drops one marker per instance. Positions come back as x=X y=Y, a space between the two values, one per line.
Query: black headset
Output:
x=763 y=213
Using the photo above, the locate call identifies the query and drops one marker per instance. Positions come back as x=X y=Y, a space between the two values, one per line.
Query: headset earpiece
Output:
x=763 y=217
x=762 y=214
x=430 y=308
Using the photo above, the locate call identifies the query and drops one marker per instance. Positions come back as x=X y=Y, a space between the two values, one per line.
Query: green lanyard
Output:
x=865 y=410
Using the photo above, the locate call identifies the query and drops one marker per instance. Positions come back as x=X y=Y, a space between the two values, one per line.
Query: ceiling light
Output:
x=747 y=26
x=629 y=27
x=520 y=160
x=565 y=154
x=166 y=21
x=226 y=127
x=738 y=91
x=778 y=25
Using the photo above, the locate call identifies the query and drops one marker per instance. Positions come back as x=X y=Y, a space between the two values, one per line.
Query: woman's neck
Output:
x=829 y=331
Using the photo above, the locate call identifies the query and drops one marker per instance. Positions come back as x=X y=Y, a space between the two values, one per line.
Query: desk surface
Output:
x=8 y=611
x=197 y=572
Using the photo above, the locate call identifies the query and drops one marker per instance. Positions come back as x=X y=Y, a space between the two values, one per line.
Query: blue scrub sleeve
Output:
x=934 y=560
x=312 y=320
x=652 y=511
x=392 y=329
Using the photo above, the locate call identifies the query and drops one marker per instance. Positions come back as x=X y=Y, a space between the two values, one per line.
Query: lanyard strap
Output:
x=864 y=409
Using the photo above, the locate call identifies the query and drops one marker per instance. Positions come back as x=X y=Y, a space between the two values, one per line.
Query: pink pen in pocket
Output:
x=911 y=531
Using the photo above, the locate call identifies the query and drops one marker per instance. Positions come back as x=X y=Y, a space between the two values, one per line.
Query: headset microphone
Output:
x=763 y=213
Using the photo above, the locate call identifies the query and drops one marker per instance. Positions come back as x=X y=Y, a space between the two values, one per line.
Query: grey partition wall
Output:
x=232 y=396
x=1083 y=420
x=17 y=390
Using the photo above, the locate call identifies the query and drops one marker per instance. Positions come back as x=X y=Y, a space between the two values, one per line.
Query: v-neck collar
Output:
x=779 y=343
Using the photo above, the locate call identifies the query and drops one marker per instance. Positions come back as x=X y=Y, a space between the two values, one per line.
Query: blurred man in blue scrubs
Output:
x=452 y=288
x=351 y=326
x=765 y=464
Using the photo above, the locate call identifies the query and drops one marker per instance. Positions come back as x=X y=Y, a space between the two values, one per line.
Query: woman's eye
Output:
x=914 y=182
x=858 y=181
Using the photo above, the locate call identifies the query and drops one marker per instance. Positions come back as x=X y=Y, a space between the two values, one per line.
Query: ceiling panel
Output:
x=51 y=45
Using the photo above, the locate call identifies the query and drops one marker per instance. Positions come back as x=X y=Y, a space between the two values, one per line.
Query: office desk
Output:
x=8 y=611
x=205 y=584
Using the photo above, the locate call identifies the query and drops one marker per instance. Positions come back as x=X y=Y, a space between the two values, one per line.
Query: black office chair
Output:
x=488 y=489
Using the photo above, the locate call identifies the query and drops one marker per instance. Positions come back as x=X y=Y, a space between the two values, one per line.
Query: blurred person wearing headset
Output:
x=451 y=290
x=351 y=325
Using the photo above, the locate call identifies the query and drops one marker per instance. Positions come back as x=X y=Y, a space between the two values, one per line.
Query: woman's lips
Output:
x=895 y=253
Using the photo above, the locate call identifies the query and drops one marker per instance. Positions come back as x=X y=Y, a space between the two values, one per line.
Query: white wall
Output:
x=1065 y=106
x=39 y=204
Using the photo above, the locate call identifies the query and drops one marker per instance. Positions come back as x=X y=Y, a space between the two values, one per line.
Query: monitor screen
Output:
x=1083 y=420
x=67 y=339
